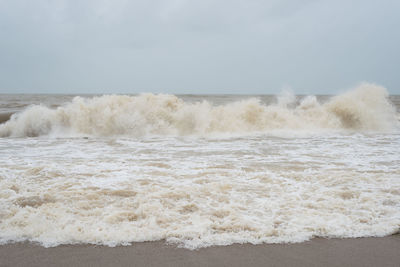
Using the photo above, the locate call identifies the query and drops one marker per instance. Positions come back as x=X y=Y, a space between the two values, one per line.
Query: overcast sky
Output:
x=198 y=47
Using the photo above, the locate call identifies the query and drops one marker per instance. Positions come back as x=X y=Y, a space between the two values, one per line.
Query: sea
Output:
x=199 y=170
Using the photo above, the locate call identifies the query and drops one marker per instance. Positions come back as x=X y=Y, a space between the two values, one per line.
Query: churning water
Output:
x=199 y=170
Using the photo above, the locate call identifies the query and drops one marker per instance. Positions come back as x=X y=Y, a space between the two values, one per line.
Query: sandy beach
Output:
x=317 y=252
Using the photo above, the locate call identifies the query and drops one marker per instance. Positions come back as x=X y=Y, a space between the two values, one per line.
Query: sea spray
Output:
x=365 y=108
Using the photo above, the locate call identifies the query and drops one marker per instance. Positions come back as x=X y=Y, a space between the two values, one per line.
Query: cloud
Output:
x=197 y=46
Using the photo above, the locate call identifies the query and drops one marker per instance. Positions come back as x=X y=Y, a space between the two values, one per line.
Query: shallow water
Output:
x=200 y=181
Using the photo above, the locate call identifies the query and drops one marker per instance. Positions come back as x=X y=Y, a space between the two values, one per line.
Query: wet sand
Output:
x=317 y=252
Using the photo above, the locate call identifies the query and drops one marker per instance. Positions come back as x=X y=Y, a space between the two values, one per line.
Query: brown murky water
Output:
x=199 y=170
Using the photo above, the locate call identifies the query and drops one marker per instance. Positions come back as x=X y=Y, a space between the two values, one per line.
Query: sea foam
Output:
x=143 y=174
x=365 y=108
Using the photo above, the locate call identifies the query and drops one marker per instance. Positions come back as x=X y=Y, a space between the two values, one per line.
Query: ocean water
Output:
x=198 y=170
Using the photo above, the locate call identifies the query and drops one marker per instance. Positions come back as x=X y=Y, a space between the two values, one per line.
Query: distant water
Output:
x=199 y=170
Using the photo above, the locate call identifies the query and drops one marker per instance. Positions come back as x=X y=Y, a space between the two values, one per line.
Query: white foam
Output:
x=198 y=192
x=365 y=108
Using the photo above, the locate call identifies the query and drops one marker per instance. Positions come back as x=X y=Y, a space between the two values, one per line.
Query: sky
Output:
x=198 y=47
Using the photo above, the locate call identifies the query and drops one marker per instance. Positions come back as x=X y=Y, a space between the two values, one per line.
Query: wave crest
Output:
x=365 y=108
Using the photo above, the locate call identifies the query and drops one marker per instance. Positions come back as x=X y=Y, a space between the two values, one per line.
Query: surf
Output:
x=364 y=108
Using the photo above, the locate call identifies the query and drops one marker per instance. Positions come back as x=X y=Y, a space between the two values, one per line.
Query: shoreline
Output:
x=368 y=251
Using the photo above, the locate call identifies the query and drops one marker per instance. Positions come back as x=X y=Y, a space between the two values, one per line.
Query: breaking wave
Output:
x=365 y=108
